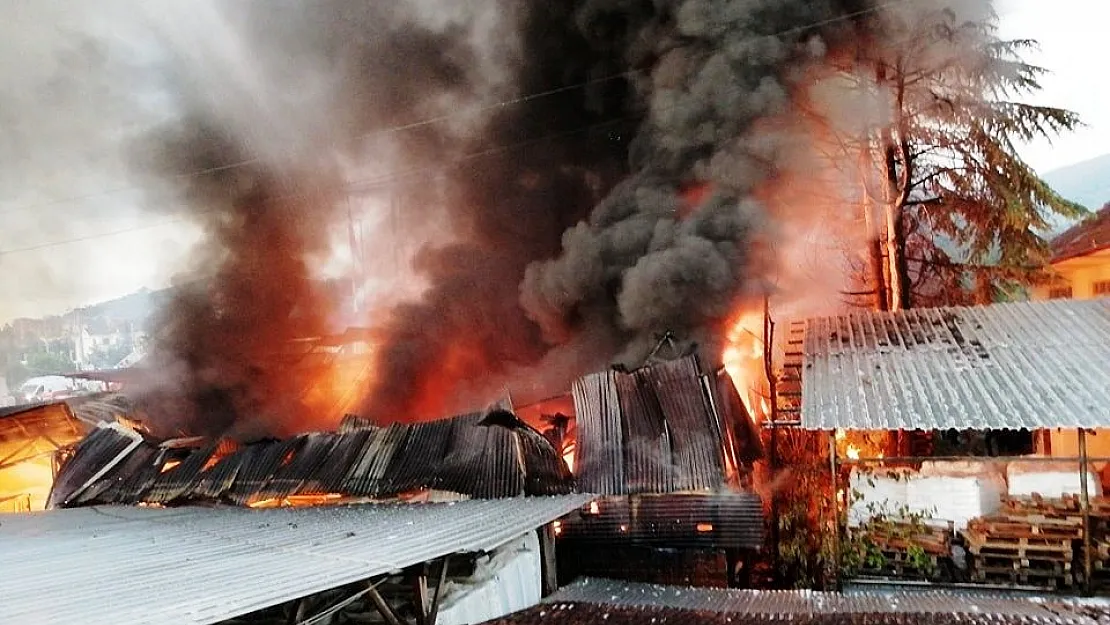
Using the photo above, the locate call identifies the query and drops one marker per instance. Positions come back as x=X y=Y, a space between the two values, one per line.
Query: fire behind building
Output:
x=668 y=447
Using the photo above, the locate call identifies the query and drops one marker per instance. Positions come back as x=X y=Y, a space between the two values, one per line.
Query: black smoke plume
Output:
x=546 y=271
x=572 y=241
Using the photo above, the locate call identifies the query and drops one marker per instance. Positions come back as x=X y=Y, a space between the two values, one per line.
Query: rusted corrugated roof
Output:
x=459 y=455
x=575 y=613
x=1086 y=237
x=654 y=430
x=1020 y=365
x=799 y=606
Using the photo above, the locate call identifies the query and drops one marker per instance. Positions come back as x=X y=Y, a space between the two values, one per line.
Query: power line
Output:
x=442 y=118
x=380 y=181
x=355 y=186
x=90 y=237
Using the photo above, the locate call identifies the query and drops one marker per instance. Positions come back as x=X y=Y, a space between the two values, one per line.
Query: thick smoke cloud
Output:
x=274 y=115
x=566 y=230
x=642 y=263
x=695 y=77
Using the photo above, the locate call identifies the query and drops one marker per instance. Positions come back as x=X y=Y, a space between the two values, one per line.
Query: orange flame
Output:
x=693 y=196
x=743 y=360
x=857 y=445
x=568 y=456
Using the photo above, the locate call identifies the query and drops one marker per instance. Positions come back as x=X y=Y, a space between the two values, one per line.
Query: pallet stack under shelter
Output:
x=1032 y=542
x=910 y=550
x=1100 y=543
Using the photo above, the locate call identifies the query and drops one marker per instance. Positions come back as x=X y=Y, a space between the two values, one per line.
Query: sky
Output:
x=1071 y=35
x=75 y=231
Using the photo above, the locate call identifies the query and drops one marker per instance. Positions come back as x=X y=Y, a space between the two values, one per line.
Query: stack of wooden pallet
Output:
x=1030 y=543
x=1100 y=542
x=912 y=550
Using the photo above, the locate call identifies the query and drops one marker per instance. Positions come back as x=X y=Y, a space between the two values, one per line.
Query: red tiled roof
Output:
x=1086 y=237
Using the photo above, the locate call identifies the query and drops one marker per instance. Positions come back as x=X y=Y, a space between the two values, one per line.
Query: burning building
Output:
x=670 y=450
x=35 y=439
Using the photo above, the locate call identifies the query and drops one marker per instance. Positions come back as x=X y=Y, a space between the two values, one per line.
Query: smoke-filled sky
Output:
x=545 y=237
x=63 y=125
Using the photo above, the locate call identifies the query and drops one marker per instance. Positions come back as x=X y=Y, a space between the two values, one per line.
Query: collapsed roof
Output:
x=478 y=455
x=663 y=428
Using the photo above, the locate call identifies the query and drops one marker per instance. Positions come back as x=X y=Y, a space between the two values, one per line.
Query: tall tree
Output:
x=958 y=211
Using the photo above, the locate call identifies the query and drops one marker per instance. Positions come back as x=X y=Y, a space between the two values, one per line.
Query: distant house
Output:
x=1080 y=261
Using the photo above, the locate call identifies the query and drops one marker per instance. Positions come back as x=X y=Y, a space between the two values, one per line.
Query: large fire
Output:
x=743 y=359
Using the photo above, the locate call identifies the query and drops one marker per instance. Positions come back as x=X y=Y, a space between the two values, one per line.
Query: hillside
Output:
x=1087 y=183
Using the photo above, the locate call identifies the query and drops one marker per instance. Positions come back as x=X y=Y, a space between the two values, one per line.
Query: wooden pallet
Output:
x=938 y=545
x=1028 y=527
x=899 y=563
x=1067 y=506
x=1039 y=579
x=990 y=562
x=1100 y=507
x=1034 y=548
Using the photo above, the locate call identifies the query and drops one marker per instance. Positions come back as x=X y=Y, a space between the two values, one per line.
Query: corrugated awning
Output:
x=1007 y=366
x=204 y=565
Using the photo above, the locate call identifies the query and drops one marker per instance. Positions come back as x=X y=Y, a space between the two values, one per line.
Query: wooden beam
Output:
x=382 y=605
x=431 y=619
x=420 y=592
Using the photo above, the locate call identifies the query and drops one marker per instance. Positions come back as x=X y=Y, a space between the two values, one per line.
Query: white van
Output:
x=46 y=388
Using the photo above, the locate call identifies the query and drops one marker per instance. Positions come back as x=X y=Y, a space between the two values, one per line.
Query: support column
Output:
x=444 y=563
x=1086 y=503
x=549 y=582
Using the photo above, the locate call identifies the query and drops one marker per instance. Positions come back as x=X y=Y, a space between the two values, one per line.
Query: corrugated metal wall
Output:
x=654 y=430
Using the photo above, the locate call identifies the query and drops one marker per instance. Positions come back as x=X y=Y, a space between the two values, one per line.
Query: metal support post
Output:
x=1083 y=467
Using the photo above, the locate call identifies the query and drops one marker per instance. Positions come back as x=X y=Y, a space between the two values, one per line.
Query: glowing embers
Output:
x=297 y=501
x=857 y=444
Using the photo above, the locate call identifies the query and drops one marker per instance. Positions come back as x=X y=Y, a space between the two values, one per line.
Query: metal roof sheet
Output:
x=463 y=455
x=1006 y=366
x=653 y=430
x=575 y=613
x=123 y=565
x=671 y=520
x=796 y=602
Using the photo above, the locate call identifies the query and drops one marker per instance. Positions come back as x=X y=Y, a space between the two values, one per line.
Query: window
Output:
x=1059 y=292
x=1102 y=287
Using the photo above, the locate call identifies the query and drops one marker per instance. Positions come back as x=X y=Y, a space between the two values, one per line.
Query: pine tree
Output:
x=960 y=209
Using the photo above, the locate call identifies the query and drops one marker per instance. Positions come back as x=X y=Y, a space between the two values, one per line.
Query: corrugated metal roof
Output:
x=1020 y=365
x=656 y=429
x=575 y=613
x=463 y=455
x=204 y=565
x=796 y=602
x=672 y=520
